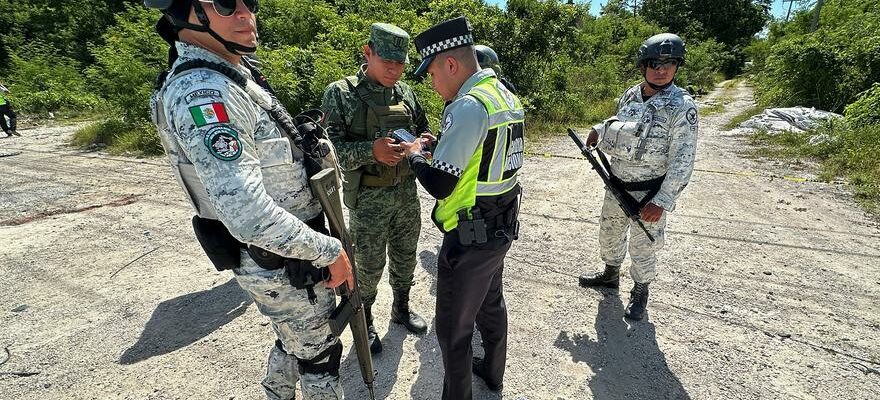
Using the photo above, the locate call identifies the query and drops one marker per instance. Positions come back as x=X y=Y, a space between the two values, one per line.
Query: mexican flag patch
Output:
x=207 y=114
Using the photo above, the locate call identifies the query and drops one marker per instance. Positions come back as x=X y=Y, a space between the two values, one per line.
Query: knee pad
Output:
x=331 y=366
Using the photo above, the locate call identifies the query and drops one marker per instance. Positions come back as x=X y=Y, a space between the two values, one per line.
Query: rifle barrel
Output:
x=326 y=189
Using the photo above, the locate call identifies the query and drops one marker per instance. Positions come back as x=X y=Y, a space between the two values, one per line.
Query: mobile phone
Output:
x=402 y=135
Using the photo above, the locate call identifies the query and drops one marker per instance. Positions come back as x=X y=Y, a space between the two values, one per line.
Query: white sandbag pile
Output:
x=795 y=119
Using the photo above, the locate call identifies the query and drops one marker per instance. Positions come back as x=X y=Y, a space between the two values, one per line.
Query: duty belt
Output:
x=652 y=186
x=483 y=226
x=301 y=273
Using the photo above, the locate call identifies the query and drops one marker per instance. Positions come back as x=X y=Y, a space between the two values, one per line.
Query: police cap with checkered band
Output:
x=444 y=36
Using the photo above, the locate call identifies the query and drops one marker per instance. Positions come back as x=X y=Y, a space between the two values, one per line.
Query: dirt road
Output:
x=767 y=288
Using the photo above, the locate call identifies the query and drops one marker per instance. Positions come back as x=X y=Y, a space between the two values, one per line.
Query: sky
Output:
x=780 y=8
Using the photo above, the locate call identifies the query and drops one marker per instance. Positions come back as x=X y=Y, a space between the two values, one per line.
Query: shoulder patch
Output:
x=210 y=113
x=223 y=143
x=447 y=123
x=201 y=93
x=692 y=115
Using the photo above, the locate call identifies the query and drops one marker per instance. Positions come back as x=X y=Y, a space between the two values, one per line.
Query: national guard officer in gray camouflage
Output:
x=242 y=174
x=379 y=190
x=650 y=144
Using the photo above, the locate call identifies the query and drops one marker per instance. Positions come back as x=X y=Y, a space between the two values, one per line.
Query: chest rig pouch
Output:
x=624 y=139
x=636 y=136
x=377 y=121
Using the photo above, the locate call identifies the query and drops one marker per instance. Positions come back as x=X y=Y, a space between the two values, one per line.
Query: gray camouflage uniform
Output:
x=236 y=165
x=645 y=140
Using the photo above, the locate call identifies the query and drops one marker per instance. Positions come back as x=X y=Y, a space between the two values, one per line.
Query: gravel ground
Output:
x=767 y=288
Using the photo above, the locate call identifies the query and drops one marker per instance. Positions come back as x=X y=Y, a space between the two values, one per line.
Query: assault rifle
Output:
x=627 y=202
x=351 y=309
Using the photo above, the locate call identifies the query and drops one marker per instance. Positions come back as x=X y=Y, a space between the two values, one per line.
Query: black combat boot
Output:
x=638 y=302
x=609 y=278
x=478 y=366
x=372 y=336
x=401 y=314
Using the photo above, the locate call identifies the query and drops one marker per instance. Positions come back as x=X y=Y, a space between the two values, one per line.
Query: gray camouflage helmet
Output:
x=662 y=46
x=487 y=57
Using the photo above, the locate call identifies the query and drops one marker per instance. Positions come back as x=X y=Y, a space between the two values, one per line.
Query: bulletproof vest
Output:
x=376 y=121
x=260 y=93
x=641 y=130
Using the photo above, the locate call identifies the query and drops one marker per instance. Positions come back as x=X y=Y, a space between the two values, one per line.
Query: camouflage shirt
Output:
x=343 y=108
x=650 y=138
x=234 y=163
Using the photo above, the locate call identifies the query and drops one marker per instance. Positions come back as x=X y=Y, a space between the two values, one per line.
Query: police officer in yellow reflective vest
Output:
x=473 y=176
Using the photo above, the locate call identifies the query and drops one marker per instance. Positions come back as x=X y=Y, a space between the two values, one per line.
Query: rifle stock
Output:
x=627 y=203
x=325 y=187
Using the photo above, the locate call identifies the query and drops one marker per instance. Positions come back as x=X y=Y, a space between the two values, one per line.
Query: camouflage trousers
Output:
x=386 y=218
x=301 y=328
x=613 y=240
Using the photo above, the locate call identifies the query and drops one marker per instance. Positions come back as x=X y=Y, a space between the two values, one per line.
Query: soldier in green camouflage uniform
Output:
x=379 y=190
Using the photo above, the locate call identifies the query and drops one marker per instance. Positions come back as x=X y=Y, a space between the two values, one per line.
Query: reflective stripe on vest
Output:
x=492 y=170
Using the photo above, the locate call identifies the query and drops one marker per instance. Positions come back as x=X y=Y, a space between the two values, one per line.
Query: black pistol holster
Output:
x=302 y=274
x=219 y=245
x=494 y=219
x=471 y=229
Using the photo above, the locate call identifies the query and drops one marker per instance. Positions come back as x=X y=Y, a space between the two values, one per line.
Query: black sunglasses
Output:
x=225 y=8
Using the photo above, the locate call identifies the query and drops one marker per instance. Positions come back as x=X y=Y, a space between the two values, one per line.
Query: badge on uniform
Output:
x=692 y=116
x=210 y=113
x=447 y=123
x=223 y=143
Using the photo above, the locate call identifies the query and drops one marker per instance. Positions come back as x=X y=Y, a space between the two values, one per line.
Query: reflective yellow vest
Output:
x=492 y=170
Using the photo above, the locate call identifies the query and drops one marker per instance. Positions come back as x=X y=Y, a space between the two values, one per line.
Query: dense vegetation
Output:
x=80 y=56
x=835 y=67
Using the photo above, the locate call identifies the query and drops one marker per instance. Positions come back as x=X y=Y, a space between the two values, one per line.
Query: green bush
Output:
x=865 y=110
x=826 y=69
x=127 y=64
x=43 y=82
x=852 y=152
x=567 y=64
x=701 y=72
x=120 y=137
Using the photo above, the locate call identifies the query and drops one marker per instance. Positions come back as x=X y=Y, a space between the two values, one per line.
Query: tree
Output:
x=732 y=23
x=69 y=27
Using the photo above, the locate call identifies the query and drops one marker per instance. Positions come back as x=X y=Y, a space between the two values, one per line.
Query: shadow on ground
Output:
x=183 y=320
x=625 y=357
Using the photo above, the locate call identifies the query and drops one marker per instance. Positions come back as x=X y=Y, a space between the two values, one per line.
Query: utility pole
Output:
x=790 y=3
x=816 y=15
